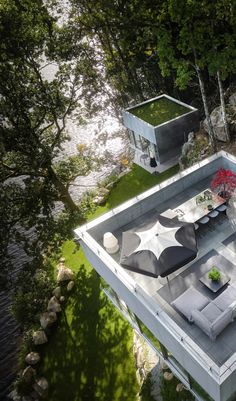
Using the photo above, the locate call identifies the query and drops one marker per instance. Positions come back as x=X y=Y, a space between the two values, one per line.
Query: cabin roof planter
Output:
x=159 y=110
x=164 y=122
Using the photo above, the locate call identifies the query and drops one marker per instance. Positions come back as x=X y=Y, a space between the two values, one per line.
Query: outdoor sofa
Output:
x=211 y=316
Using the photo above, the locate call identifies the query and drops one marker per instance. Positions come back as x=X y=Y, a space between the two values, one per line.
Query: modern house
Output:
x=157 y=130
x=203 y=363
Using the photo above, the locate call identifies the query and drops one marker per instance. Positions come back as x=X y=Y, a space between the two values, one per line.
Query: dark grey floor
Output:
x=225 y=344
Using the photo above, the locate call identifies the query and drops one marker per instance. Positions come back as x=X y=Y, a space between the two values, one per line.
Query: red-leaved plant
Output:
x=224 y=183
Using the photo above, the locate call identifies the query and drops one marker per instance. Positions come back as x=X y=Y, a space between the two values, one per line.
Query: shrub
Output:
x=31 y=296
x=224 y=182
x=214 y=274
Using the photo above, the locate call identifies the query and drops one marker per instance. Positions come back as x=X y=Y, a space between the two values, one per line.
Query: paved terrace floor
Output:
x=216 y=245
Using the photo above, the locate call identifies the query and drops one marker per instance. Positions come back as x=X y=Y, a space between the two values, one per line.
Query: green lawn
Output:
x=89 y=356
x=159 y=111
x=132 y=184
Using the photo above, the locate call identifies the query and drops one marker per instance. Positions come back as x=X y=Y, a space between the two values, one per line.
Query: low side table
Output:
x=214 y=286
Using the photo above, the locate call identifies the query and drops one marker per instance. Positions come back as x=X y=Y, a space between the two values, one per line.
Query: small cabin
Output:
x=158 y=129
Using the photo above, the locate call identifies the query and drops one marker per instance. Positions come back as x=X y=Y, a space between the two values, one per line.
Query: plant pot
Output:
x=225 y=195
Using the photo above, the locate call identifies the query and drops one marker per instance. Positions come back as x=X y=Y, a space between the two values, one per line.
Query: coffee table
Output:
x=214 y=286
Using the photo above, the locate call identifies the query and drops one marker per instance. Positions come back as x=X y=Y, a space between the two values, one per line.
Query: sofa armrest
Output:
x=201 y=321
x=221 y=322
x=233 y=307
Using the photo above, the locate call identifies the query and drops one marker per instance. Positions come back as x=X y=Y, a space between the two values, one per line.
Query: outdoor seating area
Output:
x=211 y=322
x=184 y=296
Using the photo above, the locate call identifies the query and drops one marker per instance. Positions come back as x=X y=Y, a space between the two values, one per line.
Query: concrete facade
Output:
x=218 y=380
x=169 y=136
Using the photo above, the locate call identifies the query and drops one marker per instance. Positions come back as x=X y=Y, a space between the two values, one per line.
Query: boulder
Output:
x=180 y=387
x=103 y=191
x=41 y=386
x=39 y=337
x=64 y=274
x=57 y=292
x=168 y=376
x=32 y=358
x=28 y=374
x=14 y=396
x=218 y=124
x=99 y=199
x=70 y=286
x=232 y=100
x=47 y=319
x=53 y=305
x=62 y=299
x=62 y=260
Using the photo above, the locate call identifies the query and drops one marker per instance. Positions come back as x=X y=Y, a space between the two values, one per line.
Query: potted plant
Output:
x=214 y=274
x=224 y=183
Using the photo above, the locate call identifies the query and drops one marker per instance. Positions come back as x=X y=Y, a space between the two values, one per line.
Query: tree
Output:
x=180 y=47
x=33 y=117
x=224 y=183
x=221 y=55
x=35 y=109
x=126 y=44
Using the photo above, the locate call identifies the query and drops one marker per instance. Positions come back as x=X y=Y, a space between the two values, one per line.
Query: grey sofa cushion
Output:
x=212 y=329
x=225 y=298
x=188 y=301
x=211 y=312
x=201 y=321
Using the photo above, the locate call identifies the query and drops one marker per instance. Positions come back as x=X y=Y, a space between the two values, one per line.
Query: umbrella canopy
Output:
x=159 y=248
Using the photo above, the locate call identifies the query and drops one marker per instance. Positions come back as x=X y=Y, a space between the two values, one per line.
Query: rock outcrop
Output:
x=32 y=358
x=41 y=386
x=39 y=337
x=47 y=319
x=218 y=124
x=70 y=286
x=28 y=374
x=53 y=305
x=64 y=273
x=57 y=292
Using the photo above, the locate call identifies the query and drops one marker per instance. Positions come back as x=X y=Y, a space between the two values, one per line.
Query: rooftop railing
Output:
x=156 y=310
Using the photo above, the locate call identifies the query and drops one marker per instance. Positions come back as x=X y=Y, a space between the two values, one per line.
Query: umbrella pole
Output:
x=167 y=278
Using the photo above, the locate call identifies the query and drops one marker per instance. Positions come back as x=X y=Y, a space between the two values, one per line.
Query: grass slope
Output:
x=89 y=356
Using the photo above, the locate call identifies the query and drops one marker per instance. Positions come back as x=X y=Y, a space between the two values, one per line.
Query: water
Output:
x=106 y=135
x=9 y=329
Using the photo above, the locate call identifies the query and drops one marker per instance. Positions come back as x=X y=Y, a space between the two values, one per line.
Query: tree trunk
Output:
x=64 y=194
x=223 y=111
x=212 y=141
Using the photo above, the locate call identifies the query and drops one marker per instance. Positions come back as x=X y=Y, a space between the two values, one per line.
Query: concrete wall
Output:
x=139 y=126
x=168 y=136
x=173 y=134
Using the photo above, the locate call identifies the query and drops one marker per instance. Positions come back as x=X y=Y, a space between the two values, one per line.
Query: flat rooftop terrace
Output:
x=151 y=297
x=216 y=246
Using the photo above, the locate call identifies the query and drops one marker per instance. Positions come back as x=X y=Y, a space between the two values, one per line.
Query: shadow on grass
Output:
x=136 y=182
x=89 y=356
